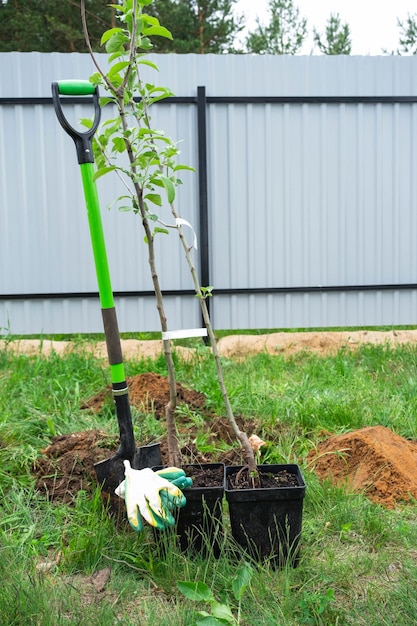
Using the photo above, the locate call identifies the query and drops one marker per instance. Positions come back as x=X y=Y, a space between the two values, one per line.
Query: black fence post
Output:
x=203 y=190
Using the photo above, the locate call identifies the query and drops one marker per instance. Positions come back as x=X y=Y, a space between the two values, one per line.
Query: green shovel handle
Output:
x=83 y=143
x=82 y=140
x=76 y=88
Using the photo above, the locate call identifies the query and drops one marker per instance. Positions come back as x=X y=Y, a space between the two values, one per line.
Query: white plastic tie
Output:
x=179 y=221
x=184 y=334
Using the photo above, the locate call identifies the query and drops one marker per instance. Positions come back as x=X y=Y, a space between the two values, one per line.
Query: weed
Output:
x=220 y=612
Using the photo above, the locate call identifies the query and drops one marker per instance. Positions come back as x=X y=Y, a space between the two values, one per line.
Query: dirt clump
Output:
x=373 y=460
x=67 y=464
x=149 y=392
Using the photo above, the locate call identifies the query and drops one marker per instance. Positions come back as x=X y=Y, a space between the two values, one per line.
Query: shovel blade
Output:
x=111 y=472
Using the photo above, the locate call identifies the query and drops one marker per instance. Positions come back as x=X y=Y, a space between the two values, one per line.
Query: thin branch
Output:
x=90 y=49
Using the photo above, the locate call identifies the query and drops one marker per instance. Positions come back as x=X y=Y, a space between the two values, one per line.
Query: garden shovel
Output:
x=110 y=472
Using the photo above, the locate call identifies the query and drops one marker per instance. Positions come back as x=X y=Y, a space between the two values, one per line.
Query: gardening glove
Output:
x=152 y=495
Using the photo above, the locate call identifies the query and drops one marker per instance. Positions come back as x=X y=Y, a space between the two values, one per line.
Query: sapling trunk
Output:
x=174 y=456
x=239 y=434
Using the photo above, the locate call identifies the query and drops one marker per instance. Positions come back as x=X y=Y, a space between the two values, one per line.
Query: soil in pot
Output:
x=267 y=480
x=266 y=521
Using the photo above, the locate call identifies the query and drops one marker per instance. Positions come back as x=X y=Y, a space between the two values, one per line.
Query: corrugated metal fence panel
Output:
x=300 y=195
x=44 y=239
x=317 y=195
x=332 y=200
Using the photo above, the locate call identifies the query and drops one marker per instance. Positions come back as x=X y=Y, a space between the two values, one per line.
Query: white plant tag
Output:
x=179 y=221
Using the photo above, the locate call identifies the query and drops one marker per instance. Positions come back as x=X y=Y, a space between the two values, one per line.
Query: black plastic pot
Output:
x=266 y=523
x=199 y=526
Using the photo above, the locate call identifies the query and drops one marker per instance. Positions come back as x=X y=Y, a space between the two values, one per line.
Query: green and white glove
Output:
x=152 y=495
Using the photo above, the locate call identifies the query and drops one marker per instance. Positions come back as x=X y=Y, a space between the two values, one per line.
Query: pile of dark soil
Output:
x=149 y=392
x=67 y=465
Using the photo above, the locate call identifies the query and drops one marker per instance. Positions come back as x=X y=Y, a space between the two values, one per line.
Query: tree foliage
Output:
x=285 y=32
x=197 y=26
x=336 y=39
x=51 y=25
x=408 y=35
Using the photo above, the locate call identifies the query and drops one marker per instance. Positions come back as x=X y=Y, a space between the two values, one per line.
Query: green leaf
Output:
x=105 y=100
x=116 y=42
x=115 y=55
x=146 y=62
x=156 y=181
x=206 y=292
x=96 y=79
x=169 y=188
x=184 y=167
x=163 y=231
x=242 y=579
x=115 y=69
x=209 y=620
x=157 y=30
x=150 y=19
x=119 y=144
x=86 y=121
x=108 y=34
x=103 y=170
x=151 y=131
x=155 y=198
x=154 y=89
x=222 y=611
x=116 y=124
x=144 y=43
x=197 y=591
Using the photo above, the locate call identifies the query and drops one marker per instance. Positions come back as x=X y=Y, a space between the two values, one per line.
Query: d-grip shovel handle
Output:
x=83 y=140
x=83 y=143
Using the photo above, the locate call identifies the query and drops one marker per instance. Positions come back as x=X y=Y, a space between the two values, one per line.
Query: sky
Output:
x=373 y=23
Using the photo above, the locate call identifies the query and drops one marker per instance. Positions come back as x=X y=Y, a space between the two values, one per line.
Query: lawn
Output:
x=71 y=563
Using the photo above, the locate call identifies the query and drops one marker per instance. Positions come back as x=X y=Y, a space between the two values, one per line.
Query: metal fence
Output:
x=304 y=201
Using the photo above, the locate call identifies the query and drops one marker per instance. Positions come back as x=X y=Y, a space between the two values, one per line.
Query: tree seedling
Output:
x=145 y=160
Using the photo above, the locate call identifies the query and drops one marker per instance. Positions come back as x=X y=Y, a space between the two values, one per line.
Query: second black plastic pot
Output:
x=266 y=522
x=199 y=526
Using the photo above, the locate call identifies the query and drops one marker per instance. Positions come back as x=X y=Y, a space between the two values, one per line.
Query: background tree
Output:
x=199 y=26
x=51 y=26
x=336 y=39
x=408 y=35
x=285 y=32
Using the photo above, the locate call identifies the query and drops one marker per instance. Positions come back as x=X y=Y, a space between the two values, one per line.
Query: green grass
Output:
x=359 y=561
